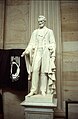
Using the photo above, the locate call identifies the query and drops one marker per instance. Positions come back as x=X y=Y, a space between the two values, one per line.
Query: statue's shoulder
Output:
x=35 y=31
x=48 y=29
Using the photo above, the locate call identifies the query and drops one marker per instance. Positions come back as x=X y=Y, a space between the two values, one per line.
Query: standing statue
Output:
x=40 y=60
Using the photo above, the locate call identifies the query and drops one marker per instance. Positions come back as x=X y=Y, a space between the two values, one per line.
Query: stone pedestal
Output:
x=39 y=107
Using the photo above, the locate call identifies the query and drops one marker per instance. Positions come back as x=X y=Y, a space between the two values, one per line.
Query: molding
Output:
x=59 y=113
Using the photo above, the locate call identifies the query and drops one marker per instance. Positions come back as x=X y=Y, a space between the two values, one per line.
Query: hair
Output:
x=43 y=17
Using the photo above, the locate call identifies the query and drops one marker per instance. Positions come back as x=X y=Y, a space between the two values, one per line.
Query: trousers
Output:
x=39 y=78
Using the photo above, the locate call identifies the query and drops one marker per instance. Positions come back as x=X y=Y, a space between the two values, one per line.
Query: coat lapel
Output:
x=43 y=33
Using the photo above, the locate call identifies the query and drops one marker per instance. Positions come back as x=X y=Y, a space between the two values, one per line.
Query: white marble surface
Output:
x=39 y=100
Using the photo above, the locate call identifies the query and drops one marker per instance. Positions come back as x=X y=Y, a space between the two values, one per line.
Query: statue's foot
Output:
x=30 y=94
x=43 y=93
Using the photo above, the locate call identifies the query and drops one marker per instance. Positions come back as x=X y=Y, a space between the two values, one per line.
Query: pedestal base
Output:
x=39 y=113
x=39 y=107
x=40 y=99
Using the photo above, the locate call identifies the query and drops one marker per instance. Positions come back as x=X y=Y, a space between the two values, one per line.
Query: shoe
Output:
x=43 y=93
x=30 y=94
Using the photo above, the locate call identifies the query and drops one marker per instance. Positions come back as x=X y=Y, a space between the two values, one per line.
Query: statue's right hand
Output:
x=25 y=53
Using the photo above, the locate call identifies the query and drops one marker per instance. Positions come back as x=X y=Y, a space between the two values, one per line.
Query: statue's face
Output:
x=41 y=22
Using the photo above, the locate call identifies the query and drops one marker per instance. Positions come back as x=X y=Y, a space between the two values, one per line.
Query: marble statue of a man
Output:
x=40 y=59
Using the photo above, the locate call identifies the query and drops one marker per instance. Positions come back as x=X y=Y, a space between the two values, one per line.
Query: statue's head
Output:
x=41 y=21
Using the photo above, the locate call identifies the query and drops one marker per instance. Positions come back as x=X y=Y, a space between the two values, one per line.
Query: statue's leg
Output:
x=35 y=75
x=34 y=83
x=43 y=86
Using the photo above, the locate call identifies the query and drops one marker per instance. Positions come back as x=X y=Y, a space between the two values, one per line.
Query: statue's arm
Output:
x=30 y=45
x=52 y=44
